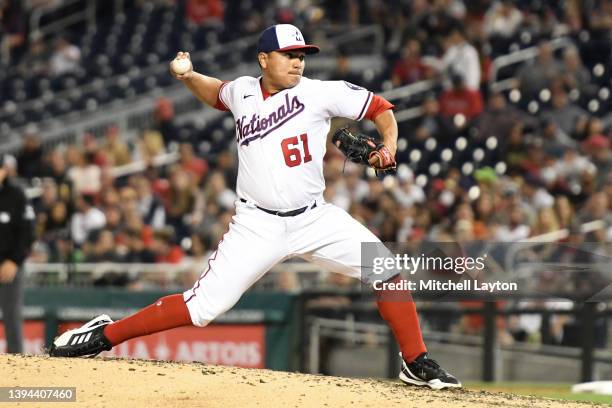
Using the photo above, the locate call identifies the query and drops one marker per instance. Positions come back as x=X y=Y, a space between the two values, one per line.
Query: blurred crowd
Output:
x=88 y=211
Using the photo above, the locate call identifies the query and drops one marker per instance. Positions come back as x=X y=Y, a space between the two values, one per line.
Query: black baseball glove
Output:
x=363 y=149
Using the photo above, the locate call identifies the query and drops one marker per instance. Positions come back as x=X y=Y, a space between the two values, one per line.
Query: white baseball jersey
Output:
x=282 y=139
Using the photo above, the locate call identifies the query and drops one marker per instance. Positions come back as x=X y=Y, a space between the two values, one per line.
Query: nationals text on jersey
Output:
x=266 y=125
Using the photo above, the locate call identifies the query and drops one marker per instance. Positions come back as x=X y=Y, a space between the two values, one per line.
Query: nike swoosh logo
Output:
x=246 y=96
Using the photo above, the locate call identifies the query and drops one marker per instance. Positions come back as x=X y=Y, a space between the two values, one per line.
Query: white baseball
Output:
x=180 y=66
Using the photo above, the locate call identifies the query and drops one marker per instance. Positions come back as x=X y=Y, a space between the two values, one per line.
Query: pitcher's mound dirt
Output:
x=116 y=383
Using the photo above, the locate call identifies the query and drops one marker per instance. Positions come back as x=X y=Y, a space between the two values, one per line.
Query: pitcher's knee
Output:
x=202 y=311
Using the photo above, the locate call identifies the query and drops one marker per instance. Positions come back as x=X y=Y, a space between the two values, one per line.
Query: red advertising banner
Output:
x=230 y=345
x=33 y=337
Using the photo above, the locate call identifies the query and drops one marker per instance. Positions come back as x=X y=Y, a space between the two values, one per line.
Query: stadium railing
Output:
x=516 y=57
x=87 y=14
x=550 y=237
x=491 y=355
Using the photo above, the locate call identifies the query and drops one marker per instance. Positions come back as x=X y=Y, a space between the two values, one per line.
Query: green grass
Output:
x=557 y=391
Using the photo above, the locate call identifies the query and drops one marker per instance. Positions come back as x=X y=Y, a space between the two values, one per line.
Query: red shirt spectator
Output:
x=409 y=68
x=461 y=100
x=173 y=256
x=192 y=164
x=200 y=11
x=165 y=250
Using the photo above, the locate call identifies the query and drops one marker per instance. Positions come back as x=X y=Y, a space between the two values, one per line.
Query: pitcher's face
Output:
x=283 y=69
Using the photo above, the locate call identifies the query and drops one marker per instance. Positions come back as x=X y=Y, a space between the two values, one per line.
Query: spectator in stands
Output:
x=432 y=124
x=596 y=208
x=533 y=194
x=597 y=147
x=434 y=20
x=48 y=196
x=164 y=248
x=91 y=148
x=56 y=169
x=564 y=211
x=204 y=11
x=409 y=67
x=575 y=75
x=484 y=215
x=554 y=140
x=163 y=120
x=65 y=59
x=455 y=8
x=10 y=165
x=460 y=100
x=128 y=200
x=573 y=16
x=55 y=244
x=516 y=227
x=596 y=137
x=193 y=165
x=199 y=252
x=55 y=222
x=150 y=206
x=85 y=176
x=538 y=74
x=515 y=150
x=570 y=118
x=150 y=144
x=333 y=173
x=12 y=30
x=572 y=166
x=502 y=20
x=600 y=24
x=216 y=191
x=463 y=223
x=499 y=118
x=115 y=149
x=461 y=58
x=30 y=158
x=102 y=249
x=546 y=222
x=109 y=197
x=36 y=60
x=542 y=20
x=137 y=250
x=114 y=219
x=353 y=185
x=343 y=72
x=181 y=203
x=88 y=218
x=226 y=164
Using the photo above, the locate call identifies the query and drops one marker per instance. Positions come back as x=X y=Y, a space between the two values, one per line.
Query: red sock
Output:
x=167 y=313
x=399 y=311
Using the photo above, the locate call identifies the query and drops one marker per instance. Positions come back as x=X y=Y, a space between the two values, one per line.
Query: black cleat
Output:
x=88 y=340
x=427 y=372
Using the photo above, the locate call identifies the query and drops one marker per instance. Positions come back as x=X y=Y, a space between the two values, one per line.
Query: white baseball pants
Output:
x=256 y=241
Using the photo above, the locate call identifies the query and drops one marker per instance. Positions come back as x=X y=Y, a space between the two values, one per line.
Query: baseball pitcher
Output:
x=282 y=120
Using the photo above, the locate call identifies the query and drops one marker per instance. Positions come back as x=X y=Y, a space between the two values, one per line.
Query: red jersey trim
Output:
x=377 y=106
x=220 y=105
x=264 y=92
